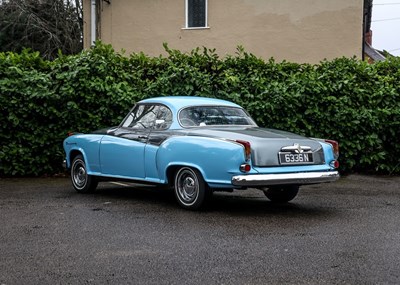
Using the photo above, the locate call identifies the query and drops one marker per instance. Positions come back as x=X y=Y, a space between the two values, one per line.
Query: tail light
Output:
x=70 y=134
x=334 y=164
x=245 y=167
x=247 y=148
x=335 y=146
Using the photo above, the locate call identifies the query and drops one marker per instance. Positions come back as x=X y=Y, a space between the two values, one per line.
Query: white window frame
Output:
x=187 y=18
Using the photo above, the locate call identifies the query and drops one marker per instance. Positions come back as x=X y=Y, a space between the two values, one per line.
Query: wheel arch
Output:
x=173 y=168
x=74 y=153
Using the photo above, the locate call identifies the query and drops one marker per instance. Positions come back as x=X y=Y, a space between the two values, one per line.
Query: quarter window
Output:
x=196 y=13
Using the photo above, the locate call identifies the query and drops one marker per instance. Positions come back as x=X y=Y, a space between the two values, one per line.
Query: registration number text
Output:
x=295 y=158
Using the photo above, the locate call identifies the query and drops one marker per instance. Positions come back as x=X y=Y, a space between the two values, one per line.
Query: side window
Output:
x=196 y=13
x=163 y=119
x=149 y=116
x=141 y=117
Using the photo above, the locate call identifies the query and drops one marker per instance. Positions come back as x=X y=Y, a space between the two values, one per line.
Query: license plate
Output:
x=295 y=158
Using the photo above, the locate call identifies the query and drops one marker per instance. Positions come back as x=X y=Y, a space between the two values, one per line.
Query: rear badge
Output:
x=296 y=154
x=296 y=148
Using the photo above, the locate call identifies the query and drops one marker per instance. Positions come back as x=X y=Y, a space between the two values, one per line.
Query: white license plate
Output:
x=295 y=158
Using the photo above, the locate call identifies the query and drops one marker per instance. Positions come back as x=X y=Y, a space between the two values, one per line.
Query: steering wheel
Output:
x=187 y=122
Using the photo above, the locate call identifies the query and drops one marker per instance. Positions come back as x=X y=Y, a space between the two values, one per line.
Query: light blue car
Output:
x=196 y=146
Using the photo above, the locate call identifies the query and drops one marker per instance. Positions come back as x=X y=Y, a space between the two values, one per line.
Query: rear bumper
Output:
x=303 y=178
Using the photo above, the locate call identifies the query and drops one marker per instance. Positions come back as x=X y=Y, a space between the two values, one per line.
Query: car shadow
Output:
x=236 y=203
x=138 y=193
x=242 y=204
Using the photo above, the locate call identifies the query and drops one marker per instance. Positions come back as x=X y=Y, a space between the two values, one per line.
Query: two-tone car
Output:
x=196 y=146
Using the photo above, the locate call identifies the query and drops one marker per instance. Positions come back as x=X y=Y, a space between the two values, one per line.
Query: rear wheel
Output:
x=82 y=182
x=282 y=194
x=191 y=191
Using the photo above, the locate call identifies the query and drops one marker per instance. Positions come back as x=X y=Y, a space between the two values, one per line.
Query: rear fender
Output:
x=216 y=159
x=328 y=152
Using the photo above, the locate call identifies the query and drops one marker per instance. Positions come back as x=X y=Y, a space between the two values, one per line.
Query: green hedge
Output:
x=351 y=101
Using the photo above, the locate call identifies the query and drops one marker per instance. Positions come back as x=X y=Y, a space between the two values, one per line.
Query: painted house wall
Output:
x=292 y=30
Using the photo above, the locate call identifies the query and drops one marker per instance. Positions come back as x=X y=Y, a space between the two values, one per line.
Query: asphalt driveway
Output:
x=346 y=232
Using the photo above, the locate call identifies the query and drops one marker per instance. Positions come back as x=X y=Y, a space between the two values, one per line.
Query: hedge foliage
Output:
x=345 y=99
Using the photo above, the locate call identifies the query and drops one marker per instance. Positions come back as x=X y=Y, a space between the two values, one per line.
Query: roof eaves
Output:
x=373 y=53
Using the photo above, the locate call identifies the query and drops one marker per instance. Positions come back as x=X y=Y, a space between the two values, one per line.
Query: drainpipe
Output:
x=363 y=33
x=93 y=23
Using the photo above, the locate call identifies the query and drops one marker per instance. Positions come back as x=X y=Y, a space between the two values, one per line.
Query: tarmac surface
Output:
x=347 y=232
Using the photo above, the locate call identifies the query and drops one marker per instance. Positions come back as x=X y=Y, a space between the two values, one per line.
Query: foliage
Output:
x=351 y=101
x=46 y=26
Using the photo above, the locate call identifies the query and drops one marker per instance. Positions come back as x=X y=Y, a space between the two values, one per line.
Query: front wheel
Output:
x=82 y=182
x=281 y=194
x=190 y=189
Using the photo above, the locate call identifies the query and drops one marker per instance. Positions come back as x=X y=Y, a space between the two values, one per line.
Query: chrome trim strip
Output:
x=302 y=178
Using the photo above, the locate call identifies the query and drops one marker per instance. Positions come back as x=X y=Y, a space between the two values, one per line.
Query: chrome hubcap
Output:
x=79 y=175
x=187 y=186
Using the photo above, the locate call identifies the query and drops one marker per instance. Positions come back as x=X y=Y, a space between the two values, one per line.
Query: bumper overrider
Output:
x=302 y=178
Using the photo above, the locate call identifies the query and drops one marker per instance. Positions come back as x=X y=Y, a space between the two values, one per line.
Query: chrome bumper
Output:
x=257 y=180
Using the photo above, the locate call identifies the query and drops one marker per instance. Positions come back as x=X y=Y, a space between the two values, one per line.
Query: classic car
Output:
x=196 y=146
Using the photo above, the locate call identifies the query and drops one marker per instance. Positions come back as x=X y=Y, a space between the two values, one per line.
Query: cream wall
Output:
x=292 y=30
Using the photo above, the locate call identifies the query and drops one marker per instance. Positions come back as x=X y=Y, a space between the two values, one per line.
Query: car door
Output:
x=159 y=133
x=122 y=150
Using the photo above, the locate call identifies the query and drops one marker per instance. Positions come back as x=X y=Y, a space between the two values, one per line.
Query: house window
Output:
x=196 y=13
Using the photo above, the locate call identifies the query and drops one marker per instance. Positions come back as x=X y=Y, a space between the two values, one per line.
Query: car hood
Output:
x=265 y=143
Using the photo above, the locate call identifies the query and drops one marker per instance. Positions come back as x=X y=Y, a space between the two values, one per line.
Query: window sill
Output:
x=196 y=28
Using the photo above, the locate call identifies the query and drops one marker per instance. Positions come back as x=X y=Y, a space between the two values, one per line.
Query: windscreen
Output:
x=214 y=116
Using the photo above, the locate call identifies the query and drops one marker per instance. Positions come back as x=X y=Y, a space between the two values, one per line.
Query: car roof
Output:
x=176 y=103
